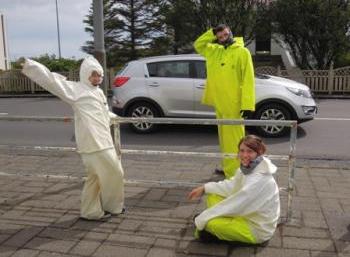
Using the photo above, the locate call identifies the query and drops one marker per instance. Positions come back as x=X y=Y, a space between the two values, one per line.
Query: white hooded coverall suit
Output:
x=104 y=187
x=244 y=208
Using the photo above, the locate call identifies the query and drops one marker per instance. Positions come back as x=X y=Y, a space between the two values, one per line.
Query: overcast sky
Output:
x=32 y=31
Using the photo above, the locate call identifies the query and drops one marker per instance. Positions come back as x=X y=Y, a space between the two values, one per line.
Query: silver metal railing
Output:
x=116 y=134
x=290 y=157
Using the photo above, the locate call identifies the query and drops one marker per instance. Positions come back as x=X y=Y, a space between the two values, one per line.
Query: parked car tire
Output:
x=272 y=111
x=143 y=110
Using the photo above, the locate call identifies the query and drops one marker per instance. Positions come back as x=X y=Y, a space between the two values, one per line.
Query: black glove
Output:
x=245 y=114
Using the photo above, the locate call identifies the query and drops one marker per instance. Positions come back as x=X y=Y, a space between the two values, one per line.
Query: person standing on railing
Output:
x=103 y=192
x=230 y=86
x=246 y=207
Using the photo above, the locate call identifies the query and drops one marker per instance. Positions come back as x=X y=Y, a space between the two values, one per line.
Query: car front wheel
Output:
x=143 y=110
x=272 y=111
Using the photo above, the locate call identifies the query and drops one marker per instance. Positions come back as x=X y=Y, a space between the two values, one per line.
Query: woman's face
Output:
x=95 y=78
x=246 y=154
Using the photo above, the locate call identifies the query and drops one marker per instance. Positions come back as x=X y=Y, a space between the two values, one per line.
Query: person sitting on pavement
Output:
x=103 y=192
x=246 y=207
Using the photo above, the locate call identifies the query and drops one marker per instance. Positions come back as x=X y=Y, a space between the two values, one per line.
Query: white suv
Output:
x=172 y=86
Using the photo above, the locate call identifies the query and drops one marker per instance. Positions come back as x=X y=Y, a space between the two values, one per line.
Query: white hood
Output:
x=89 y=65
x=266 y=167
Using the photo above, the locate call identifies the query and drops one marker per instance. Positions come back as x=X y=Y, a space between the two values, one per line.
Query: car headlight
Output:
x=309 y=110
x=300 y=92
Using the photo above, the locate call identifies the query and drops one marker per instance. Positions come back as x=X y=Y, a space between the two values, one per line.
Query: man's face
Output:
x=223 y=35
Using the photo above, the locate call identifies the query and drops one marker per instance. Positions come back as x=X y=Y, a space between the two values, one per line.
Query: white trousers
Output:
x=104 y=186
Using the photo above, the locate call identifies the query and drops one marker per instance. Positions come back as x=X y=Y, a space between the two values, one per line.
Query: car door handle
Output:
x=201 y=86
x=154 y=84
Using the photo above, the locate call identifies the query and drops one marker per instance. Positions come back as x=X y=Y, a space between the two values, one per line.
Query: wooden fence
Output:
x=333 y=81
x=14 y=82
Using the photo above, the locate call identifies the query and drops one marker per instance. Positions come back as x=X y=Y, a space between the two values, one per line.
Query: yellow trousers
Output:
x=228 y=228
x=229 y=137
x=104 y=186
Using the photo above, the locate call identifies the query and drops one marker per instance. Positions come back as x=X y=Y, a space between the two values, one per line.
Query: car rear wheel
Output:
x=272 y=111
x=143 y=110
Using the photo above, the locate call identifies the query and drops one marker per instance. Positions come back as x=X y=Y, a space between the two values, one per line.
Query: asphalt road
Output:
x=326 y=137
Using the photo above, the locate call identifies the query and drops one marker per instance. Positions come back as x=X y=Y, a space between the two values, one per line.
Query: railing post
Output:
x=331 y=79
x=291 y=171
x=116 y=137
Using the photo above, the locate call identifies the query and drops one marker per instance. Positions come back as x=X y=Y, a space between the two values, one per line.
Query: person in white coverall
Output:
x=103 y=192
x=246 y=207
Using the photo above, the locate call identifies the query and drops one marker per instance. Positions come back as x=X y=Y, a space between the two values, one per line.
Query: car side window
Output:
x=152 y=69
x=201 y=72
x=172 y=69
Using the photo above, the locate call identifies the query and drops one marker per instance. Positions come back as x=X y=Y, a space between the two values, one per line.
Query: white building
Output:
x=4 y=55
x=273 y=47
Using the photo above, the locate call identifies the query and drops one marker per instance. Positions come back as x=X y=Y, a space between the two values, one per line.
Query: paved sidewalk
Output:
x=39 y=209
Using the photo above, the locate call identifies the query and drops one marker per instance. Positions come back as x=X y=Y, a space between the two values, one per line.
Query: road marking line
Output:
x=334 y=119
x=3 y=113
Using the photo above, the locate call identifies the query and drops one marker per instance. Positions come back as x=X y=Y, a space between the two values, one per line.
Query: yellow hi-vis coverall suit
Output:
x=104 y=187
x=244 y=208
x=230 y=88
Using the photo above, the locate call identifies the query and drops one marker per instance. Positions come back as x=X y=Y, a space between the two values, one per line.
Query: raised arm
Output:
x=52 y=82
x=223 y=188
x=204 y=44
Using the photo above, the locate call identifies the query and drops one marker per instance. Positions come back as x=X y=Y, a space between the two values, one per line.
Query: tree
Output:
x=179 y=29
x=136 y=28
x=52 y=63
x=140 y=25
x=130 y=26
x=316 y=31
x=112 y=25
x=241 y=16
x=185 y=20
x=343 y=60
